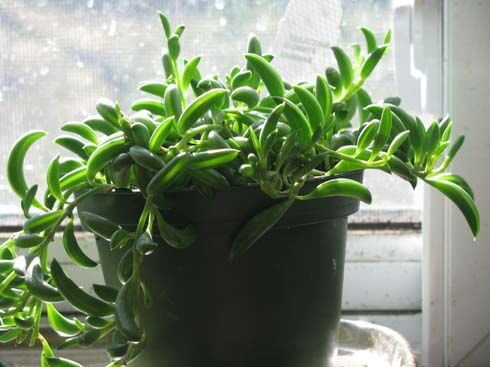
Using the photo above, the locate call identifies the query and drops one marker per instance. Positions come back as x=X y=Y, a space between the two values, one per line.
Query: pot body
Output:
x=276 y=305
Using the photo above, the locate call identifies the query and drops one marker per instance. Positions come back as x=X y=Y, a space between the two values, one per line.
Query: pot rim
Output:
x=123 y=191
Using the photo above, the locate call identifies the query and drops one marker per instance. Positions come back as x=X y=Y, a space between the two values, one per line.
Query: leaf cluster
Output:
x=206 y=133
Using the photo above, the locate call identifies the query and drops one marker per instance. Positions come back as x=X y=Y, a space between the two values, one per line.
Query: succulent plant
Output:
x=208 y=134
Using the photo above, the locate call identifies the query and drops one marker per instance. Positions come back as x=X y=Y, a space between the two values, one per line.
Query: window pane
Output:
x=60 y=56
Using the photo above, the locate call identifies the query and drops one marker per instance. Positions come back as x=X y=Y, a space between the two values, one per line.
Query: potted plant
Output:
x=220 y=218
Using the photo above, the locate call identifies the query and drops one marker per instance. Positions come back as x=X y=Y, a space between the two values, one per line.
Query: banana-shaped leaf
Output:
x=155 y=88
x=145 y=158
x=41 y=222
x=105 y=292
x=61 y=362
x=461 y=199
x=247 y=95
x=370 y=39
x=259 y=225
x=168 y=174
x=84 y=130
x=371 y=61
x=98 y=124
x=62 y=325
x=160 y=134
x=103 y=155
x=36 y=284
x=199 y=107
x=324 y=96
x=311 y=105
x=269 y=75
x=15 y=164
x=191 y=72
x=345 y=66
x=53 y=178
x=150 y=105
x=212 y=158
x=340 y=187
x=125 y=315
x=74 y=145
x=173 y=105
x=178 y=238
x=27 y=240
x=101 y=226
x=107 y=109
x=73 y=249
x=78 y=298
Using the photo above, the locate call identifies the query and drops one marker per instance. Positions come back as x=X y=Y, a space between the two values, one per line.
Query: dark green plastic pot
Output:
x=278 y=305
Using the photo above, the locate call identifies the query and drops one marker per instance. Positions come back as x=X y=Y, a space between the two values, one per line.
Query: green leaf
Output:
x=84 y=130
x=103 y=155
x=27 y=240
x=165 y=24
x=99 y=225
x=383 y=133
x=105 y=292
x=107 y=109
x=9 y=335
x=334 y=79
x=247 y=95
x=6 y=266
x=28 y=199
x=270 y=124
x=456 y=179
x=168 y=174
x=15 y=164
x=173 y=105
x=53 y=178
x=364 y=100
x=367 y=135
x=397 y=142
x=145 y=158
x=340 y=187
x=140 y=134
x=324 y=96
x=78 y=298
x=212 y=158
x=257 y=226
x=154 y=88
x=431 y=139
x=210 y=178
x=61 y=362
x=269 y=75
x=125 y=315
x=149 y=105
x=117 y=345
x=62 y=325
x=160 y=134
x=199 y=107
x=370 y=39
x=145 y=244
x=120 y=238
x=298 y=121
x=311 y=106
x=191 y=72
x=73 y=250
x=98 y=124
x=345 y=66
x=36 y=284
x=174 y=47
x=74 y=145
x=41 y=222
x=241 y=79
x=371 y=62
x=461 y=199
x=175 y=237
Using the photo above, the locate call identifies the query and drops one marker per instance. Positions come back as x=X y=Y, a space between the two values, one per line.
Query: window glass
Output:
x=60 y=56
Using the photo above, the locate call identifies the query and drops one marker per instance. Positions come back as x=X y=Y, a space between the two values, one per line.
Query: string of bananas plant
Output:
x=205 y=133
